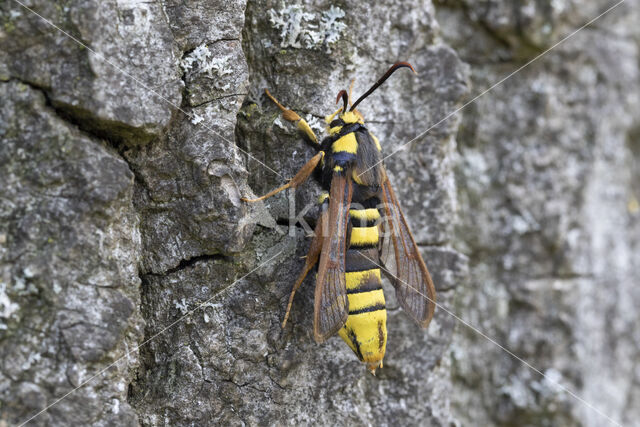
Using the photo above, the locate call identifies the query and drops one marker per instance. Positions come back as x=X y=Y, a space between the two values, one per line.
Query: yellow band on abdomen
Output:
x=355 y=279
x=364 y=236
x=366 y=332
x=371 y=214
x=366 y=300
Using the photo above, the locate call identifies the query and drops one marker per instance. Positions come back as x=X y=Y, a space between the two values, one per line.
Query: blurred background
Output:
x=136 y=288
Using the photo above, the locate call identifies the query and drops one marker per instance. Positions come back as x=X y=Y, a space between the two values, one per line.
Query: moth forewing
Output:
x=367 y=168
x=331 y=306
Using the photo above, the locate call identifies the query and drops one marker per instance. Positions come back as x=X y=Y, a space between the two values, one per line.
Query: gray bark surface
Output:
x=133 y=275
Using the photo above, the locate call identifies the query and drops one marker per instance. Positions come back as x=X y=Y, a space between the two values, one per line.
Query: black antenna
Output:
x=345 y=99
x=393 y=68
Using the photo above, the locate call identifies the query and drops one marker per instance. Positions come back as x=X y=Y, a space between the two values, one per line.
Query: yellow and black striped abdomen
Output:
x=366 y=328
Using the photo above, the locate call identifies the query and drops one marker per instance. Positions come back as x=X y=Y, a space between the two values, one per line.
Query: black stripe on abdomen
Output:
x=361 y=259
x=367 y=309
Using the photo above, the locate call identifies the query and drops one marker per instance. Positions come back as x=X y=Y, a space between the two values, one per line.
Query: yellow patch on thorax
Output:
x=356 y=278
x=363 y=236
x=347 y=143
x=335 y=130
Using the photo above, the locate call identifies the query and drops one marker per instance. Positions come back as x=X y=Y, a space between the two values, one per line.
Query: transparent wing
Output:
x=331 y=306
x=414 y=288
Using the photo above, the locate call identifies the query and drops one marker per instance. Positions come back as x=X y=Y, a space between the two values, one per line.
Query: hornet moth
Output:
x=352 y=241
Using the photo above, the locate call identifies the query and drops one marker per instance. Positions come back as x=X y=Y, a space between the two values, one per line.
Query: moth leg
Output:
x=311 y=260
x=292 y=116
x=300 y=177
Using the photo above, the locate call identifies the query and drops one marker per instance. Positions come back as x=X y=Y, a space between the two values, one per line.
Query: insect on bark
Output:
x=352 y=239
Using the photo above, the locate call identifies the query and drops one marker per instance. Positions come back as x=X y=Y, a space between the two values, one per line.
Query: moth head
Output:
x=344 y=115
